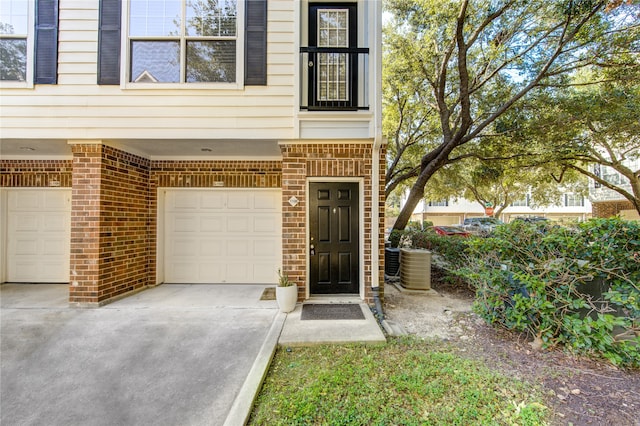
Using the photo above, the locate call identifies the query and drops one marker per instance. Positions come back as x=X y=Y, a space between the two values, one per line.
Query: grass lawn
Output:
x=407 y=381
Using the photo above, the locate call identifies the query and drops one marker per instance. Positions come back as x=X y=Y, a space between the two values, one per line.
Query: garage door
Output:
x=38 y=235
x=222 y=236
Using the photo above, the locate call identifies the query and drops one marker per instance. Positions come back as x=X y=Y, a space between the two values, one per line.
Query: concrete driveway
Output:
x=170 y=355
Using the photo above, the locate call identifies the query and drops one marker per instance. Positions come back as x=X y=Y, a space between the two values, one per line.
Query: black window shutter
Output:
x=109 y=42
x=255 y=48
x=46 y=42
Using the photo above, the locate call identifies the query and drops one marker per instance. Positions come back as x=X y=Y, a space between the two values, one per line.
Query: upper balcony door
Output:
x=333 y=56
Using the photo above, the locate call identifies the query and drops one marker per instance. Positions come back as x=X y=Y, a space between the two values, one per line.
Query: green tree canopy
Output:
x=454 y=68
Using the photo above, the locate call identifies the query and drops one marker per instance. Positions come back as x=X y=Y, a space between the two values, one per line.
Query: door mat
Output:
x=316 y=311
x=269 y=293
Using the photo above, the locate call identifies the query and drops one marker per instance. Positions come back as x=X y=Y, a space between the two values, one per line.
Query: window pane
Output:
x=13 y=59
x=332 y=77
x=211 y=19
x=211 y=61
x=155 y=18
x=573 y=200
x=155 y=61
x=14 y=16
x=333 y=28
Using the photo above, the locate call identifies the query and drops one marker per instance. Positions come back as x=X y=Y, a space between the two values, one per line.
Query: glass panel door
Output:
x=332 y=56
x=333 y=68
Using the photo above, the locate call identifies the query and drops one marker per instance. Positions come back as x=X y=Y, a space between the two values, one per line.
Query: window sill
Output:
x=182 y=86
x=15 y=85
x=363 y=115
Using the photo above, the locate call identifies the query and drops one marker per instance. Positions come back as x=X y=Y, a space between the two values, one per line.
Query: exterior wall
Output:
x=458 y=210
x=611 y=208
x=109 y=224
x=77 y=108
x=35 y=173
x=115 y=199
x=303 y=161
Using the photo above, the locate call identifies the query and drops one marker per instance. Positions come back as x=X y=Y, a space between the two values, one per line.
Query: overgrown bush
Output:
x=415 y=225
x=535 y=279
x=394 y=238
x=451 y=249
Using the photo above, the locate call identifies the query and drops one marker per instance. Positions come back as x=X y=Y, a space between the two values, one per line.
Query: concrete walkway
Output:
x=170 y=355
x=297 y=332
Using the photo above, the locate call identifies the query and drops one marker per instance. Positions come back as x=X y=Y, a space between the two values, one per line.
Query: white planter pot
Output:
x=287 y=298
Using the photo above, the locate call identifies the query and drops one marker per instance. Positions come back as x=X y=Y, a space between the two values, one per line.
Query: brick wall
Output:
x=35 y=173
x=610 y=208
x=381 y=217
x=206 y=174
x=302 y=161
x=109 y=224
x=114 y=206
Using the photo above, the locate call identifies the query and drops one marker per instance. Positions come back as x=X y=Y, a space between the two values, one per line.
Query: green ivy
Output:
x=576 y=286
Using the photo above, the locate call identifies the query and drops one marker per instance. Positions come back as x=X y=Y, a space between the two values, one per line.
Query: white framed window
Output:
x=524 y=202
x=440 y=203
x=16 y=43
x=611 y=175
x=184 y=41
x=573 y=200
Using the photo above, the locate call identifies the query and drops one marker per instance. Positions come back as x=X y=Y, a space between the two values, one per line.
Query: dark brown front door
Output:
x=334 y=237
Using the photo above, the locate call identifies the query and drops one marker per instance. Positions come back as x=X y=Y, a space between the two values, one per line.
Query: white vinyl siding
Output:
x=77 y=108
x=222 y=235
x=38 y=235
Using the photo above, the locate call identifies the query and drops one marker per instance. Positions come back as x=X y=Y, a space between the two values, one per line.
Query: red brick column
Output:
x=294 y=173
x=381 y=217
x=109 y=224
x=85 y=281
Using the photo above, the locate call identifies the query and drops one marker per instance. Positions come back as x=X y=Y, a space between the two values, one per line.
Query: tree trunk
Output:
x=431 y=163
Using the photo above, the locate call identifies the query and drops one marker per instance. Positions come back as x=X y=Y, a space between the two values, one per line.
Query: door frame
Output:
x=320 y=179
x=353 y=85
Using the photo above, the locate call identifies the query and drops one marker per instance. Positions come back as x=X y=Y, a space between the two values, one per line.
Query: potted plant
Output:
x=286 y=293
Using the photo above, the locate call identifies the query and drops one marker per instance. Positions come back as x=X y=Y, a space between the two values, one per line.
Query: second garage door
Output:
x=222 y=236
x=38 y=235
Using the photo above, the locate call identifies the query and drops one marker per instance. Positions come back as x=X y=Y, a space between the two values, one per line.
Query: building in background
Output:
x=607 y=202
x=571 y=207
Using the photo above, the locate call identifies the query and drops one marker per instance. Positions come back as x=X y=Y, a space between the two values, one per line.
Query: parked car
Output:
x=531 y=219
x=451 y=231
x=481 y=225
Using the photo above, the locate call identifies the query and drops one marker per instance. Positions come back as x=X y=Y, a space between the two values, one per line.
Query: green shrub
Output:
x=536 y=279
x=451 y=249
x=394 y=237
x=413 y=225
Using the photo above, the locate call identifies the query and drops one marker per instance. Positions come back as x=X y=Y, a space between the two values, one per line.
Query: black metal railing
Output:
x=355 y=95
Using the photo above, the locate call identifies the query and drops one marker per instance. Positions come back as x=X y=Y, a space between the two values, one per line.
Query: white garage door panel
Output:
x=222 y=236
x=38 y=235
x=265 y=224
x=213 y=224
x=264 y=248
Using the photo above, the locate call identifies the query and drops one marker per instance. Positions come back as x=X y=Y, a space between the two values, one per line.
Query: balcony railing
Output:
x=334 y=78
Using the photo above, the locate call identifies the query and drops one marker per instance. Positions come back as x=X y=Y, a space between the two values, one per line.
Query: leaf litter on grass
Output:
x=406 y=381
